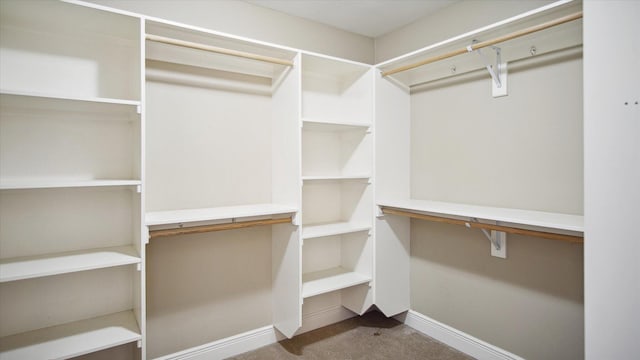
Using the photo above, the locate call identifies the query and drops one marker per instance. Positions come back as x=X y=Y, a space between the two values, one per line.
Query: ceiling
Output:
x=371 y=18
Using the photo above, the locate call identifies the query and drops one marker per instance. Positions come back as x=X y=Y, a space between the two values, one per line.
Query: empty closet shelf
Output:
x=328 y=126
x=356 y=177
x=72 y=339
x=321 y=282
x=53 y=184
x=40 y=100
x=330 y=229
x=62 y=263
x=554 y=225
x=190 y=221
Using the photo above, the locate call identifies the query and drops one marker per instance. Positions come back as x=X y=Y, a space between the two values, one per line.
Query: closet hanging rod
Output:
x=507 y=229
x=219 y=50
x=216 y=227
x=486 y=43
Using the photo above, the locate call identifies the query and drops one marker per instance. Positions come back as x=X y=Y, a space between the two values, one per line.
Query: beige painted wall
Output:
x=520 y=151
x=453 y=20
x=211 y=286
x=255 y=22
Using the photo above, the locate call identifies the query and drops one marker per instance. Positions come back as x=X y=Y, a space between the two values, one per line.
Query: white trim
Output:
x=227 y=347
x=455 y=338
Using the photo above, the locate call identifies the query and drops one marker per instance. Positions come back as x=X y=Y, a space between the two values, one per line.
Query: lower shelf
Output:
x=73 y=339
x=321 y=282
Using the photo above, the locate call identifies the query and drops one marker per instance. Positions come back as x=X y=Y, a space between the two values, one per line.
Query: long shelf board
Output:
x=53 y=184
x=72 y=339
x=542 y=219
x=70 y=98
x=321 y=282
x=216 y=213
x=330 y=229
x=327 y=126
x=67 y=262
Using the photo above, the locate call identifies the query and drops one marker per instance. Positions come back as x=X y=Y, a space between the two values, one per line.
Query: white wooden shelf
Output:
x=203 y=215
x=553 y=39
x=55 y=184
x=72 y=339
x=547 y=220
x=321 y=282
x=52 y=98
x=328 y=126
x=336 y=178
x=330 y=229
x=62 y=263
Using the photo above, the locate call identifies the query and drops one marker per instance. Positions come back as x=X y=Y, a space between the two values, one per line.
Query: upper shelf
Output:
x=554 y=221
x=189 y=44
x=60 y=184
x=555 y=38
x=41 y=101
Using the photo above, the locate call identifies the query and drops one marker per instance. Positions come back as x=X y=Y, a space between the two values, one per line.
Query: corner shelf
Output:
x=54 y=264
x=330 y=229
x=548 y=220
x=59 y=184
x=72 y=339
x=321 y=282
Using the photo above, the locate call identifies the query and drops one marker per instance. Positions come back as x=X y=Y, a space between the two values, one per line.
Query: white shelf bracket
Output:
x=295 y=219
x=497 y=241
x=379 y=212
x=139 y=344
x=498 y=72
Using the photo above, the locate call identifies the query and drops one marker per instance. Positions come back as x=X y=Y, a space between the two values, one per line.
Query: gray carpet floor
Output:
x=371 y=336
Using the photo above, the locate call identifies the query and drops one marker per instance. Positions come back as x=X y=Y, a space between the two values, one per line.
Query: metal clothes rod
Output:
x=483 y=44
x=507 y=229
x=216 y=227
x=219 y=50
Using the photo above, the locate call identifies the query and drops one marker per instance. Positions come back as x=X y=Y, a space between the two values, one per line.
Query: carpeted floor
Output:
x=371 y=336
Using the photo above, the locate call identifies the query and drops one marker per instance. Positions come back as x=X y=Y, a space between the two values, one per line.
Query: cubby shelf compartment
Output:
x=321 y=282
x=59 y=184
x=72 y=339
x=38 y=266
x=330 y=229
x=551 y=222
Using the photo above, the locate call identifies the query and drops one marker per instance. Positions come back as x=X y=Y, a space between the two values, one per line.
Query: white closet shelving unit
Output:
x=223 y=143
x=337 y=191
x=71 y=255
x=393 y=125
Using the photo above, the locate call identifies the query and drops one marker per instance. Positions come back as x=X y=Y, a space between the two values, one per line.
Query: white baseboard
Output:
x=457 y=339
x=324 y=317
x=254 y=339
x=227 y=347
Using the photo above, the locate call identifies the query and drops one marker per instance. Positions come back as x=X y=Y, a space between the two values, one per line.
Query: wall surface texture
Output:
x=255 y=22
